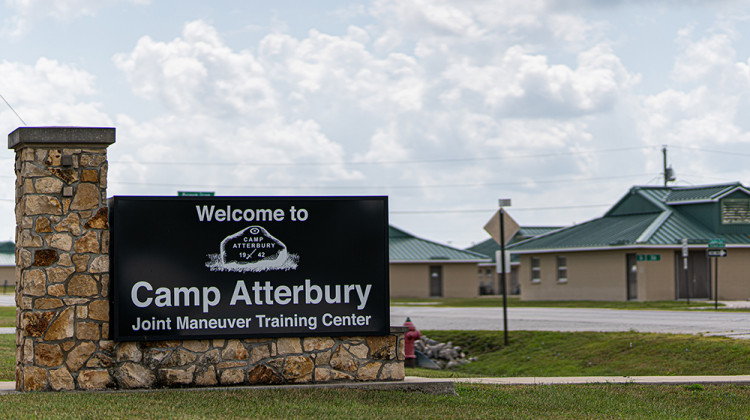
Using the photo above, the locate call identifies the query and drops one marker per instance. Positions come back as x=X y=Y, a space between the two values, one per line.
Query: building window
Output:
x=562 y=269
x=536 y=272
x=735 y=211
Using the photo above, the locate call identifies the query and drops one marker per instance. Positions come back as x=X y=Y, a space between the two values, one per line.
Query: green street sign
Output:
x=648 y=257
x=716 y=243
x=195 y=193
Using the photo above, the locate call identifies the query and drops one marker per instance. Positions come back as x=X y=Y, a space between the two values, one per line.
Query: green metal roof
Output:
x=489 y=247
x=646 y=216
x=405 y=247
x=700 y=193
x=7 y=254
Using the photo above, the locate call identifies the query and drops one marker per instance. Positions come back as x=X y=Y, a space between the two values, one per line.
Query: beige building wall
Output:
x=7 y=274
x=592 y=275
x=734 y=274
x=412 y=280
x=656 y=279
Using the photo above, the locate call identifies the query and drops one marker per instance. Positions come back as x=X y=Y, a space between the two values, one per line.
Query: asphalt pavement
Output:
x=708 y=322
x=732 y=324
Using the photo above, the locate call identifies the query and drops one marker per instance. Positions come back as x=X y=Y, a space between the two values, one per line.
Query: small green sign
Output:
x=716 y=243
x=195 y=193
x=648 y=257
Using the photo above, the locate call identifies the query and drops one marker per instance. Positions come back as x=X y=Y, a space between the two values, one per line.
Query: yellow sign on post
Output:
x=493 y=227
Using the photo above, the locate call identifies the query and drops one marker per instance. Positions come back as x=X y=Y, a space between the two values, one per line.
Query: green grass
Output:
x=7 y=316
x=541 y=353
x=472 y=401
x=529 y=354
x=7 y=357
x=514 y=302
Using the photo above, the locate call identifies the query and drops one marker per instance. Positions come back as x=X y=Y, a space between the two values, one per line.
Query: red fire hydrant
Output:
x=409 y=338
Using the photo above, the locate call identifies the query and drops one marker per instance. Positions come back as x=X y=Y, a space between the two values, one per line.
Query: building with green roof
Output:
x=7 y=266
x=489 y=279
x=420 y=268
x=635 y=251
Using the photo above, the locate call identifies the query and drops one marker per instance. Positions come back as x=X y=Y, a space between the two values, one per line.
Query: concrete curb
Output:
x=572 y=380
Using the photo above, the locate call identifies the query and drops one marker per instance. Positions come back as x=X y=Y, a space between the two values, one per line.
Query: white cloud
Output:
x=49 y=93
x=708 y=57
x=523 y=84
x=26 y=12
x=197 y=73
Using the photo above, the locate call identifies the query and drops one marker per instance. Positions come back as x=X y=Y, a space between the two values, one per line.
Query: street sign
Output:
x=648 y=257
x=195 y=193
x=493 y=227
x=685 y=250
x=717 y=252
x=716 y=243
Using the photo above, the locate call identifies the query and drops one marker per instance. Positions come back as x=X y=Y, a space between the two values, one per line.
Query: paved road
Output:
x=735 y=324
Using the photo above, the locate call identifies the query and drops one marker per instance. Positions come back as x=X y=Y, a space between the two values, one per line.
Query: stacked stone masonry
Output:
x=63 y=308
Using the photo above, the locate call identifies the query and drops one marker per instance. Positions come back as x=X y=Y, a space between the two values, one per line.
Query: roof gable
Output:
x=703 y=194
x=650 y=216
x=489 y=246
x=639 y=200
x=602 y=232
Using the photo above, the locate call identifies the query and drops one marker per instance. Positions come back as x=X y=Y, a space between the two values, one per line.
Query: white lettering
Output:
x=134 y=294
x=204 y=213
x=240 y=292
x=208 y=301
x=363 y=296
x=308 y=295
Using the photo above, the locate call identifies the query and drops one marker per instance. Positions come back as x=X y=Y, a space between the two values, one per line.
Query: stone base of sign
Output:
x=256 y=361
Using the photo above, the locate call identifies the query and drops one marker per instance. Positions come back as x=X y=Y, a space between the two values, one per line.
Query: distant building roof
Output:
x=655 y=216
x=405 y=247
x=489 y=246
x=7 y=253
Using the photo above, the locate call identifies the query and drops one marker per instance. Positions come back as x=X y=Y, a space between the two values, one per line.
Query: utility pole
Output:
x=668 y=171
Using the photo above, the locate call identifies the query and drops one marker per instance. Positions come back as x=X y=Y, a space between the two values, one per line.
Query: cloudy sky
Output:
x=443 y=105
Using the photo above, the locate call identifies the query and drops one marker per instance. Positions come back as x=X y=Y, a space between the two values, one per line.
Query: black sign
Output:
x=205 y=267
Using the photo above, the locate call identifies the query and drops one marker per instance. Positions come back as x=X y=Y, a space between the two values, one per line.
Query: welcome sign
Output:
x=222 y=267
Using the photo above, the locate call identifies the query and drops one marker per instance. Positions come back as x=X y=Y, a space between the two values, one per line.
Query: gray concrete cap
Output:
x=61 y=136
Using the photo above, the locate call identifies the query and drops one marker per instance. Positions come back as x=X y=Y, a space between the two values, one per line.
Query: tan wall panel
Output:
x=593 y=275
x=460 y=280
x=734 y=275
x=413 y=280
x=601 y=275
x=7 y=273
x=409 y=280
x=656 y=279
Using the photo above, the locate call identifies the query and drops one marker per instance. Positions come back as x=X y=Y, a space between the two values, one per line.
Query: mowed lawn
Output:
x=530 y=353
x=471 y=402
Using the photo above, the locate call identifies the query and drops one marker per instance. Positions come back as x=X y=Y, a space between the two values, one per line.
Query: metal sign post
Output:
x=498 y=222
x=716 y=249
x=503 y=202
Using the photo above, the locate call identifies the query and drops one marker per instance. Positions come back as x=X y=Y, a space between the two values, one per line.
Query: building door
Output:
x=632 y=276
x=436 y=281
x=696 y=280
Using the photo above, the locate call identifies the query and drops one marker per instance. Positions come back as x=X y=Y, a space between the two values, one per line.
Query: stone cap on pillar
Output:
x=70 y=137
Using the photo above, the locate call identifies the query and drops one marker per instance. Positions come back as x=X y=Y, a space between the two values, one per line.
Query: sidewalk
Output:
x=445 y=385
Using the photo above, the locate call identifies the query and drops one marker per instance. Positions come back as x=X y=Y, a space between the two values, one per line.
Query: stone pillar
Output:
x=62 y=258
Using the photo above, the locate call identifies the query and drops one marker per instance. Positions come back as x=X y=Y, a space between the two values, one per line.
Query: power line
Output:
x=381 y=187
x=515 y=209
x=11 y=108
x=700 y=149
x=392 y=162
